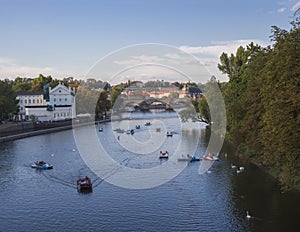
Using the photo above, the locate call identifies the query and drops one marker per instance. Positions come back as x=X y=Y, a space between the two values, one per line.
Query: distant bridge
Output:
x=149 y=104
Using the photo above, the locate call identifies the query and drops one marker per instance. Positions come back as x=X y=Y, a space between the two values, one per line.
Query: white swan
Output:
x=233 y=166
x=248 y=216
x=242 y=168
x=238 y=171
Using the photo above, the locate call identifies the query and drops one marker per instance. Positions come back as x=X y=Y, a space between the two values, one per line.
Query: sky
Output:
x=65 y=38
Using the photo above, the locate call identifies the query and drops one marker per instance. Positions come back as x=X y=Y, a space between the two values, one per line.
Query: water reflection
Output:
x=215 y=201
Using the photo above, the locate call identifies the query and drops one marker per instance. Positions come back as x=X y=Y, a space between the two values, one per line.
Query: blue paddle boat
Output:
x=41 y=165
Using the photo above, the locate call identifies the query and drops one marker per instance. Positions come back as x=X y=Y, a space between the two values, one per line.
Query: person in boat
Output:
x=39 y=163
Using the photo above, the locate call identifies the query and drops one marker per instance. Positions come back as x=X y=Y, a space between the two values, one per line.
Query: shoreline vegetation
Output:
x=262 y=102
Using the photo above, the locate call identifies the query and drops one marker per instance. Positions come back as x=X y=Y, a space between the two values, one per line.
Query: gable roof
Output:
x=61 y=89
x=26 y=93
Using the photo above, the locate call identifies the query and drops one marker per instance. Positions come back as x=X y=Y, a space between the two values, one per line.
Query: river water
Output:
x=48 y=200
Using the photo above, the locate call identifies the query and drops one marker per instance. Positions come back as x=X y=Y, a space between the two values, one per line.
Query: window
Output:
x=54 y=115
x=33 y=101
x=25 y=101
x=21 y=101
x=54 y=99
x=29 y=101
x=66 y=99
x=60 y=99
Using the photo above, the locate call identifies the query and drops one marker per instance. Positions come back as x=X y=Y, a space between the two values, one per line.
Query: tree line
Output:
x=262 y=100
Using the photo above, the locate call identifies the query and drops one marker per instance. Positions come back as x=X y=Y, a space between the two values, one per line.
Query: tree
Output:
x=103 y=104
x=204 y=110
x=235 y=95
x=39 y=82
x=8 y=102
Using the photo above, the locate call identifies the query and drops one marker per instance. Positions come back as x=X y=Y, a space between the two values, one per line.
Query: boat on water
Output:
x=169 y=134
x=100 y=129
x=189 y=158
x=148 y=124
x=210 y=157
x=137 y=127
x=164 y=155
x=118 y=130
x=84 y=184
x=41 y=165
x=130 y=132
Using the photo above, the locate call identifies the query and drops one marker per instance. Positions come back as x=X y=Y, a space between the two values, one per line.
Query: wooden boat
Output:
x=41 y=165
x=164 y=155
x=84 y=184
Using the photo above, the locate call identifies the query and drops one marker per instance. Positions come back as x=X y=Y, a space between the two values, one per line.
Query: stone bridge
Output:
x=147 y=104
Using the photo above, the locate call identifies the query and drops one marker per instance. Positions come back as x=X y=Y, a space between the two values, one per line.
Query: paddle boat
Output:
x=41 y=165
x=130 y=132
x=148 y=124
x=84 y=184
x=169 y=134
x=210 y=157
x=118 y=130
x=100 y=129
x=189 y=158
x=137 y=127
x=164 y=155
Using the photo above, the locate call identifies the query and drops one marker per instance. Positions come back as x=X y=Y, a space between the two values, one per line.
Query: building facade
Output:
x=29 y=99
x=60 y=106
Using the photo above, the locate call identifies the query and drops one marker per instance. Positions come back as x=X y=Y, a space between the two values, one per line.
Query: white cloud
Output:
x=218 y=47
x=281 y=10
x=9 y=68
x=209 y=55
x=296 y=6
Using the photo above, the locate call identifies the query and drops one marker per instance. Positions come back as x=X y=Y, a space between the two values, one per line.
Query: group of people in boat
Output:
x=39 y=163
x=84 y=180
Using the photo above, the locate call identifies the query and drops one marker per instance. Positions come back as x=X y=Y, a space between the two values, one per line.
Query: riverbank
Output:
x=18 y=130
x=257 y=163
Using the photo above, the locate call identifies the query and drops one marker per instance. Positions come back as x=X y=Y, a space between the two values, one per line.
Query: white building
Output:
x=29 y=99
x=61 y=104
x=62 y=100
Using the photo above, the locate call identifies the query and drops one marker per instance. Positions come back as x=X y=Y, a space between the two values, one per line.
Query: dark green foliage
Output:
x=263 y=103
x=8 y=102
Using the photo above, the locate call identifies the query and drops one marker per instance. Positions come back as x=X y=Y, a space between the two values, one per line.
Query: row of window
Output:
x=62 y=114
x=33 y=101
x=60 y=99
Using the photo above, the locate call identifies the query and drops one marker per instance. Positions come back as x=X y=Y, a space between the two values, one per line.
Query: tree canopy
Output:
x=262 y=101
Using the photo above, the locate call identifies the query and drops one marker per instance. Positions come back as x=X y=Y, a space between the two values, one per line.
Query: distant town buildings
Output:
x=192 y=92
x=59 y=105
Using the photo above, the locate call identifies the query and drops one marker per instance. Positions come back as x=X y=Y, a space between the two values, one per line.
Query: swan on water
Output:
x=233 y=166
x=248 y=216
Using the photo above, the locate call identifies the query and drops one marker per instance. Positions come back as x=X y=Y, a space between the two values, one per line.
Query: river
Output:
x=48 y=200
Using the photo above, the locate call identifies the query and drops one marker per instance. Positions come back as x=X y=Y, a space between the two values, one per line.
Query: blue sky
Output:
x=67 y=37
